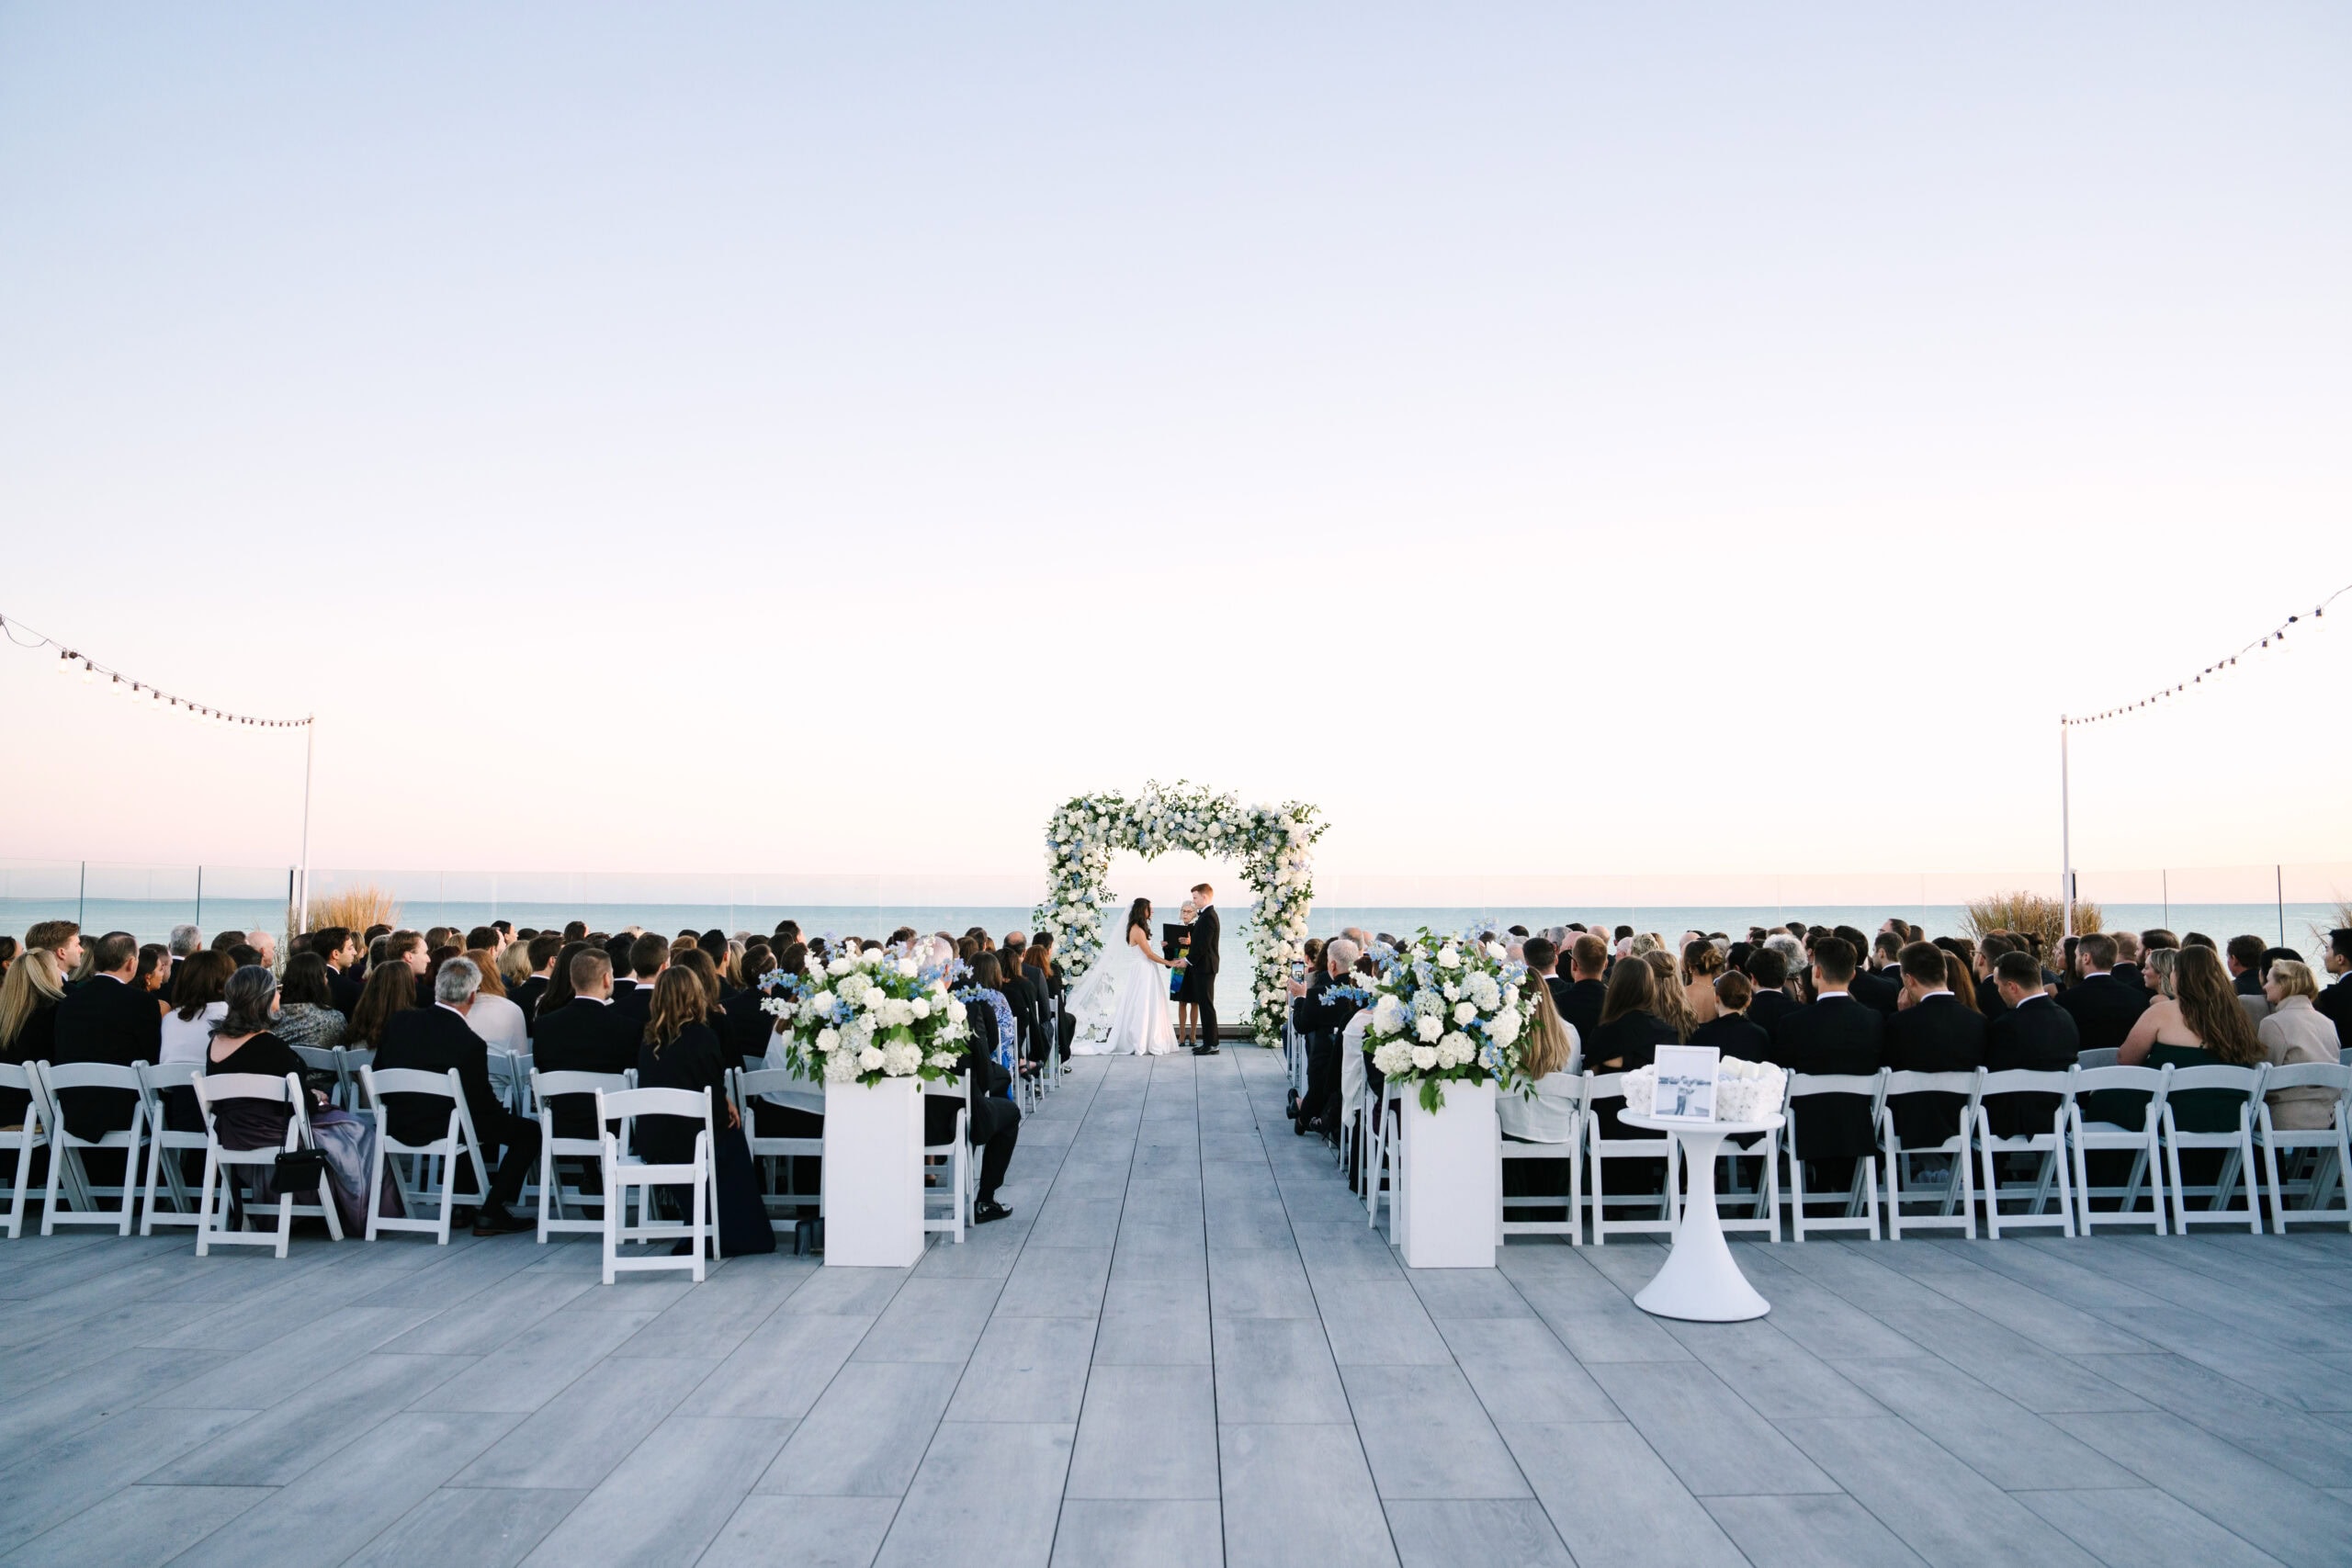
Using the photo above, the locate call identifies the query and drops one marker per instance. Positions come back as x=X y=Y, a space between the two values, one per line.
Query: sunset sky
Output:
x=1717 y=439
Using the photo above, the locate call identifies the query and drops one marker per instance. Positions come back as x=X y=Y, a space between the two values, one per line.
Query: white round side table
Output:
x=1701 y=1283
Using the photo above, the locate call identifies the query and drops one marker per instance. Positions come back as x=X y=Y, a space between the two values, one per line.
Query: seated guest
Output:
x=153 y=974
x=198 y=998
x=704 y=970
x=1879 y=985
x=2297 y=1032
x=338 y=948
x=186 y=942
x=1730 y=1031
x=2199 y=1023
x=1547 y=1055
x=2336 y=1002
x=557 y=995
x=495 y=1016
x=2104 y=1008
x=1960 y=980
x=539 y=957
x=2032 y=1033
x=1321 y=1018
x=1986 y=986
x=1833 y=1035
x=619 y=947
x=993 y=992
x=995 y=1125
x=28 y=996
x=587 y=1034
x=1632 y=1028
x=648 y=956
x=391 y=990
x=750 y=1026
x=2126 y=960
x=2245 y=958
x=1701 y=961
x=1931 y=1032
x=680 y=1050
x=1581 y=999
x=434 y=1040
x=1041 y=953
x=242 y=1042
x=306 y=1014
x=514 y=962
x=1671 y=1004
x=105 y=1021
x=1769 y=968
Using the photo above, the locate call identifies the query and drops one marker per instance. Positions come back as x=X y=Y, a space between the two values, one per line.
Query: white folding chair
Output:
x=2236 y=1148
x=81 y=1205
x=554 y=1196
x=1762 y=1200
x=1959 y=1190
x=625 y=1173
x=324 y=1059
x=506 y=1081
x=957 y=1152
x=2325 y=1151
x=2086 y=1137
x=783 y=1087
x=154 y=1083
x=1566 y=1088
x=390 y=1153
x=2050 y=1146
x=221 y=1164
x=32 y=1133
x=1611 y=1086
x=1355 y=1086
x=1380 y=1160
x=1861 y=1195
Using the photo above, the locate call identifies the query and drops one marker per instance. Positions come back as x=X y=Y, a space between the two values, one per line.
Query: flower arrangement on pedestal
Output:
x=1447 y=1008
x=1274 y=844
x=869 y=1016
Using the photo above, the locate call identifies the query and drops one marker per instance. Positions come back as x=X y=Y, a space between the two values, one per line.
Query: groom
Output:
x=1203 y=967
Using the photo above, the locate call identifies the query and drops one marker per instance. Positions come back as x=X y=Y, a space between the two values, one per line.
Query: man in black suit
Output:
x=1833 y=1035
x=648 y=956
x=2336 y=1002
x=1930 y=1033
x=1321 y=1019
x=995 y=1126
x=2104 y=1008
x=1769 y=969
x=434 y=1040
x=2243 y=956
x=617 y=948
x=105 y=1019
x=338 y=946
x=586 y=1035
x=186 y=942
x=1579 y=1003
x=1882 y=987
x=543 y=951
x=2030 y=1033
x=1201 y=964
x=1542 y=956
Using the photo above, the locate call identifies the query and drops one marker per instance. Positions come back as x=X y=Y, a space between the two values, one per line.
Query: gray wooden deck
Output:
x=1185 y=1345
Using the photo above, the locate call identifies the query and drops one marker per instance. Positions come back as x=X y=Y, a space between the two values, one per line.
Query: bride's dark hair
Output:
x=1139 y=914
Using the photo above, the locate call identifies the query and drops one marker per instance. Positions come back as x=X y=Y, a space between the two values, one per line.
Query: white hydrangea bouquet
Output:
x=1448 y=1008
x=867 y=1015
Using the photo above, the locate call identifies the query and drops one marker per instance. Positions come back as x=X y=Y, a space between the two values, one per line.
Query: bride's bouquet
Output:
x=869 y=1016
x=1446 y=1007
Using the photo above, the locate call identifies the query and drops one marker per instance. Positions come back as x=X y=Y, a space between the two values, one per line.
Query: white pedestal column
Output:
x=1701 y=1281
x=874 y=1174
x=1450 y=1178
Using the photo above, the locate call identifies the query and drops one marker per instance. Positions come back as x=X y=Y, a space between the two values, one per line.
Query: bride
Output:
x=1121 y=1005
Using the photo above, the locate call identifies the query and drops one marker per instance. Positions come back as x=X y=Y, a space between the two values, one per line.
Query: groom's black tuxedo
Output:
x=1202 y=954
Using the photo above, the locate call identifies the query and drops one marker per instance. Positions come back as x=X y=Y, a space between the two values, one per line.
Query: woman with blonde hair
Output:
x=29 y=998
x=1673 y=1004
x=2295 y=1032
x=513 y=968
x=680 y=1050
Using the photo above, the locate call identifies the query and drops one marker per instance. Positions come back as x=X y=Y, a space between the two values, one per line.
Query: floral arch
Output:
x=1274 y=844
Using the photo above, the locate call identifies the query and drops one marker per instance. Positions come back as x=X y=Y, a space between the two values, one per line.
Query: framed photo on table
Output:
x=1686 y=1083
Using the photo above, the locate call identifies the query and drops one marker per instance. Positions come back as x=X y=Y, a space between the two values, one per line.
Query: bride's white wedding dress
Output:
x=1121 y=1006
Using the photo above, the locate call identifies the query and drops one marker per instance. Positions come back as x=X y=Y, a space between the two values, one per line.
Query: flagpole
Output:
x=2065 y=829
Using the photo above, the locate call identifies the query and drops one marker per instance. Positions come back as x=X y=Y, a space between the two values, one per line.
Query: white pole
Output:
x=2065 y=829
x=309 y=748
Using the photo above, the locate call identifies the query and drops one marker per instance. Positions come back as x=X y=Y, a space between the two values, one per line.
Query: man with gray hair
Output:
x=266 y=944
x=433 y=1040
x=186 y=942
x=1321 y=1019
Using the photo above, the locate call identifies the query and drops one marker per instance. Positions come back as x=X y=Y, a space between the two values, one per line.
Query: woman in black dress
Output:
x=1632 y=1030
x=681 y=1050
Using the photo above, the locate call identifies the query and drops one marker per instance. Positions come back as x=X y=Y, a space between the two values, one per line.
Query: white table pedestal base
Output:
x=1701 y=1283
x=874 y=1174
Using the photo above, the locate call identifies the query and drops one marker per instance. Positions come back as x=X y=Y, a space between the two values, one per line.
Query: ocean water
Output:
x=150 y=920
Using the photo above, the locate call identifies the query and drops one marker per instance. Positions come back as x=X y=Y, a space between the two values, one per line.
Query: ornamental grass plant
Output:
x=2030 y=914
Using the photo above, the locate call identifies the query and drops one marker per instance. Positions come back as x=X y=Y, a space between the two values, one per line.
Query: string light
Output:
x=73 y=660
x=2258 y=645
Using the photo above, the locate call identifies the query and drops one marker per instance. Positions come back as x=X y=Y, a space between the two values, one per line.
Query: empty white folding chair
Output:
x=1600 y=1150
x=165 y=1147
x=554 y=1196
x=2325 y=1152
x=2091 y=1130
x=1564 y=1091
x=626 y=1176
x=23 y=1139
x=957 y=1153
x=2235 y=1145
x=1955 y=1198
x=1761 y=1201
x=428 y=1188
x=2049 y=1176
x=782 y=1086
x=1862 y=1193
x=217 y=1206
x=82 y=1201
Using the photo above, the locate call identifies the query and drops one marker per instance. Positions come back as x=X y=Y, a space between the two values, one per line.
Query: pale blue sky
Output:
x=1550 y=437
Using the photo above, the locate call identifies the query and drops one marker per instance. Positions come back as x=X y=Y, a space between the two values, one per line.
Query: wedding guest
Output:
x=306 y=1013
x=1930 y=1033
x=1542 y=956
x=584 y=1033
x=339 y=946
x=153 y=971
x=680 y=1050
x=994 y=1126
x=1960 y=980
x=1833 y=1035
x=105 y=1021
x=2104 y=1008
x=514 y=962
x=750 y=1027
x=2030 y=1032
x=1321 y=1017
x=1548 y=1054
x=648 y=956
x=2199 y=1023
x=539 y=956
x=1730 y=1031
x=2245 y=958
x=390 y=989
x=495 y=1016
x=2127 y=959
x=2336 y=1002
x=1631 y=1028
x=558 y=993
x=2295 y=1032
x=1701 y=963
x=264 y=946
x=1769 y=968
x=1671 y=1006
x=9 y=948
x=1581 y=1001
x=434 y=1040
x=619 y=948
x=30 y=994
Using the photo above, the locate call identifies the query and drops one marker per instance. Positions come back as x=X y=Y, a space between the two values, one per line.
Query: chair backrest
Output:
x=959 y=1088
x=1932 y=1083
x=2219 y=1076
x=1801 y=1084
x=410 y=1080
x=321 y=1058
x=2099 y=1056
x=161 y=1076
x=2311 y=1075
x=90 y=1075
x=2150 y=1081
x=1604 y=1086
x=614 y=1104
x=14 y=1077
x=2027 y=1081
x=212 y=1089
x=780 y=1084
x=1565 y=1087
x=545 y=1084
